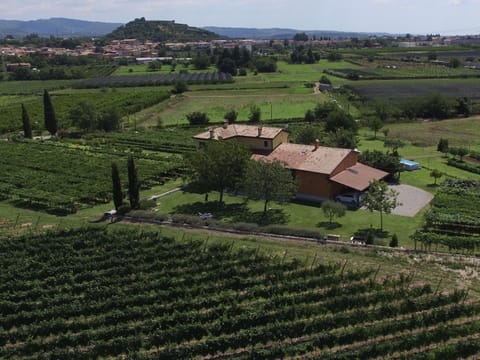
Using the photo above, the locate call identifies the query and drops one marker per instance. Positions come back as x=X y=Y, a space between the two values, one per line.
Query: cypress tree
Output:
x=133 y=185
x=116 y=187
x=49 y=114
x=27 y=129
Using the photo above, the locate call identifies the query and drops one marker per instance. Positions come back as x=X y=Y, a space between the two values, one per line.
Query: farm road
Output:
x=412 y=200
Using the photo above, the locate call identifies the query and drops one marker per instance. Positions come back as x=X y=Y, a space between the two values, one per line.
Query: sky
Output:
x=447 y=17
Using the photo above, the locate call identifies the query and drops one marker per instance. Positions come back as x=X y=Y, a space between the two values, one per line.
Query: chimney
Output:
x=212 y=133
x=317 y=144
x=225 y=124
x=259 y=131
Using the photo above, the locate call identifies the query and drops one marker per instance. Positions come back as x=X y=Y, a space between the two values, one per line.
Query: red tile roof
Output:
x=323 y=160
x=234 y=130
x=359 y=176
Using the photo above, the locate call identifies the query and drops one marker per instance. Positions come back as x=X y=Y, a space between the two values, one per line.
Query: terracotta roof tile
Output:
x=234 y=130
x=358 y=177
x=323 y=160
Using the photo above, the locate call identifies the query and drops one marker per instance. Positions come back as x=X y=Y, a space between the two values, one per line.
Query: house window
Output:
x=265 y=143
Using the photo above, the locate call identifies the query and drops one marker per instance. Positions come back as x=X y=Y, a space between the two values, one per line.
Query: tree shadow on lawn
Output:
x=238 y=212
x=329 y=226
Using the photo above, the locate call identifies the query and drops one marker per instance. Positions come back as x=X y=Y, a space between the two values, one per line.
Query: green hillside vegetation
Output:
x=142 y=29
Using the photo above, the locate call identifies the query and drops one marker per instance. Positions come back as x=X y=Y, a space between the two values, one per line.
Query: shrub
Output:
x=147 y=204
x=290 y=231
x=247 y=227
x=142 y=214
x=394 y=241
x=123 y=209
x=255 y=114
x=179 y=87
x=197 y=118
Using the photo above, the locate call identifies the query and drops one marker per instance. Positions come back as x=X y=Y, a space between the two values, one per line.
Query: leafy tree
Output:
x=459 y=151
x=109 y=121
x=269 y=181
x=201 y=62
x=442 y=145
x=300 y=37
x=310 y=57
x=133 y=183
x=379 y=160
x=334 y=56
x=49 y=114
x=394 y=241
x=197 y=118
x=265 y=64
x=322 y=110
x=340 y=119
x=435 y=106
x=341 y=138
x=255 y=114
x=231 y=116
x=325 y=80
x=228 y=66
x=393 y=144
x=375 y=124
x=385 y=132
x=380 y=198
x=179 y=87
x=154 y=66
x=308 y=134
x=27 y=129
x=333 y=209
x=309 y=116
x=219 y=166
x=454 y=63
x=84 y=116
x=382 y=110
x=436 y=174
x=462 y=106
x=116 y=187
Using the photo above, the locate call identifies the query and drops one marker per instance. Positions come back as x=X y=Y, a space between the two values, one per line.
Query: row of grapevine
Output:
x=453 y=221
x=155 y=80
x=60 y=179
x=94 y=292
x=124 y=101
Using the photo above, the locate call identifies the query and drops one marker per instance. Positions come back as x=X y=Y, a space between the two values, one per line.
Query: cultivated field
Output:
x=398 y=90
x=184 y=299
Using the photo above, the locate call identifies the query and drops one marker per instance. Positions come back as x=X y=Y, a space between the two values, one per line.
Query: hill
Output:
x=55 y=27
x=160 y=30
x=280 y=33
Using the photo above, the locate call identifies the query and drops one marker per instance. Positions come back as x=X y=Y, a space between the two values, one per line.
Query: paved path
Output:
x=155 y=197
x=412 y=199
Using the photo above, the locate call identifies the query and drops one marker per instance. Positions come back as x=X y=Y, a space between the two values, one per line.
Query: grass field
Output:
x=216 y=103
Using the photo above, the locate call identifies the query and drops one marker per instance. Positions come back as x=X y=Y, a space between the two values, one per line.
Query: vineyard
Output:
x=178 y=139
x=88 y=293
x=155 y=80
x=60 y=178
x=453 y=223
x=121 y=100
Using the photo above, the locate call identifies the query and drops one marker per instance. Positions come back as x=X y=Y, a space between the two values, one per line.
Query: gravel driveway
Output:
x=412 y=199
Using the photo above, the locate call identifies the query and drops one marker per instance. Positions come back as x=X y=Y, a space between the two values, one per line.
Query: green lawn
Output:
x=216 y=103
x=291 y=214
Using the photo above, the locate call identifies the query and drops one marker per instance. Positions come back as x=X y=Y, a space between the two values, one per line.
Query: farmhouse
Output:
x=321 y=172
